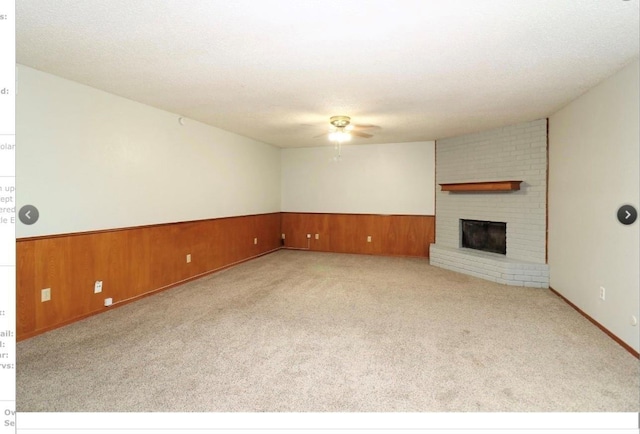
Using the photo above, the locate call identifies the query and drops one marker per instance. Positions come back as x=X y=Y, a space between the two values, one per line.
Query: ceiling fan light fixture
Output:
x=340 y=136
x=339 y=121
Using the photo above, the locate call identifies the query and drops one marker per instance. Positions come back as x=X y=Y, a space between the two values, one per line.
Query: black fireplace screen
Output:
x=484 y=235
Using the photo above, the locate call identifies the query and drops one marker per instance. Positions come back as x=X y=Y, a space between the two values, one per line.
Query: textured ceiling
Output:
x=276 y=70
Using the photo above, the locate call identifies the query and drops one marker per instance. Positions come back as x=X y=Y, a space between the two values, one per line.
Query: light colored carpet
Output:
x=306 y=331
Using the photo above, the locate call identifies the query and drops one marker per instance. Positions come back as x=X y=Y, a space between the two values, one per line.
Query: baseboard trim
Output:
x=600 y=326
x=124 y=302
x=388 y=255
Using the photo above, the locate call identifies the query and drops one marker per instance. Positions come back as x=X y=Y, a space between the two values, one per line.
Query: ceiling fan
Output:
x=342 y=129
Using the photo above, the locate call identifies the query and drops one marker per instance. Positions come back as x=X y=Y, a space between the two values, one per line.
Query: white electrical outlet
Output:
x=255 y=241
x=188 y=258
x=369 y=239
x=108 y=301
x=45 y=294
x=317 y=236
x=602 y=293
x=97 y=287
x=283 y=236
x=309 y=236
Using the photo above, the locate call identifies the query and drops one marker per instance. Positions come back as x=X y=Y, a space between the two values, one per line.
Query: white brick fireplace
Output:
x=517 y=152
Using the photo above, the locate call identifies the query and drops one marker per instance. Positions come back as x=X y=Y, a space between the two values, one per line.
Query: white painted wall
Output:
x=90 y=160
x=395 y=178
x=593 y=170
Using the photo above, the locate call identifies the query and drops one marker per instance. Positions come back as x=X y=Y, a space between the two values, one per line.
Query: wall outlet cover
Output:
x=45 y=294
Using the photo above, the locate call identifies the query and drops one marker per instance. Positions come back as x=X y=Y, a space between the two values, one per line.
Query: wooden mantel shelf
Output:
x=482 y=186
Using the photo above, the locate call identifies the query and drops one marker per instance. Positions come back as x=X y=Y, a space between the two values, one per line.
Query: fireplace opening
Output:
x=484 y=235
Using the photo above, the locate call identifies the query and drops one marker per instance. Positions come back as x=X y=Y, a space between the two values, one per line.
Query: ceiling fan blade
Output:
x=320 y=135
x=361 y=134
x=364 y=126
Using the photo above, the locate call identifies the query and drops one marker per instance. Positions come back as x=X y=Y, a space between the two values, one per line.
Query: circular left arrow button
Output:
x=28 y=214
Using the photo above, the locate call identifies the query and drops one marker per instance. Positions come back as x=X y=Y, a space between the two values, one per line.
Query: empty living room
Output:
x=329 y=212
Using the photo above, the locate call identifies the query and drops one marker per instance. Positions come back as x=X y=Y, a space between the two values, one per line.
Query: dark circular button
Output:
x=627 y=214
x=28 y=214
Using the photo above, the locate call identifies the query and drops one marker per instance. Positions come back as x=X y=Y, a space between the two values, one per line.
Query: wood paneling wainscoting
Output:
x=130 y=262
x=135 y=262
x=394 y=235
